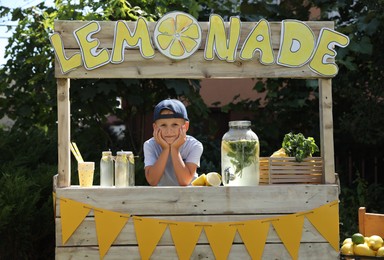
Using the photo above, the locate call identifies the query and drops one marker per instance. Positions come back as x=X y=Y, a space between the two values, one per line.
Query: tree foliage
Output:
x=28 y=96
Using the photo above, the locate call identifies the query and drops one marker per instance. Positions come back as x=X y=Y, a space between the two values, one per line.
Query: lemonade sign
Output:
x=178 y=35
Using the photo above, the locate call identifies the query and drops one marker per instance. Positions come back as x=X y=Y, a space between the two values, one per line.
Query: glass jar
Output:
x=121 y=169
x=131 y=162
x=106 y=169
x=240 y=151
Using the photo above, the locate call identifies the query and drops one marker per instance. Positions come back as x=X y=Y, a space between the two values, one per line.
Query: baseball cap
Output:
x=174 y=105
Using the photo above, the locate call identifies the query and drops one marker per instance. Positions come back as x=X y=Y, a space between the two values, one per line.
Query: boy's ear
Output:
x=186 y=125
x=154 y=126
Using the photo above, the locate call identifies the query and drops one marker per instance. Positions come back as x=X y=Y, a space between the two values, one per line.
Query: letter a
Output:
x=259 y=40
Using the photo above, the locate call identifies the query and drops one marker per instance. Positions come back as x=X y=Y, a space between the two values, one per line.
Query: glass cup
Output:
x=86 y=171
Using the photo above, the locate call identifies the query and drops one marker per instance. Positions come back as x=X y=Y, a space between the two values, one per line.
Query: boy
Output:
x=171 y=157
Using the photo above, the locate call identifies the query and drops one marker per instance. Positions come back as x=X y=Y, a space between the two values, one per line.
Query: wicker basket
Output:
x=283 y=170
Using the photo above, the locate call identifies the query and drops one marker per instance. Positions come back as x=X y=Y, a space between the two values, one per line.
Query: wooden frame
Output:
x=190 y=203
x=195 y=67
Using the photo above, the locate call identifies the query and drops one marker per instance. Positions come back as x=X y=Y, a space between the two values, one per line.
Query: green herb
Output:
x=242 y=152
x=296 y=145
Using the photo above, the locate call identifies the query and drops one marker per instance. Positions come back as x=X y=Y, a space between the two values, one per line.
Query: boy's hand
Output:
x=159 y=139
x=181 y=139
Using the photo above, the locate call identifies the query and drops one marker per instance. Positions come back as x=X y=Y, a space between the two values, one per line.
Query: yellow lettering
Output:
x=217 y=41
x=297 y=43
x=66 y=64
x=125 y=38
x=259 y=40
x=92 y=58
x=323 y=59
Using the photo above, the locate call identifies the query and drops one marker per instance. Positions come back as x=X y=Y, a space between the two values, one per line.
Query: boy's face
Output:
x=170 y=127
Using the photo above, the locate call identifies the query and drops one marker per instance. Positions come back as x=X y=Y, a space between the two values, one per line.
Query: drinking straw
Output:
x=75 y=151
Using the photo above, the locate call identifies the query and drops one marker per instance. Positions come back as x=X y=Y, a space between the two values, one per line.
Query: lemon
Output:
x=279 y=153
x=213 y=179
x=347 y=249
x=363 y=249
x=347 y=241
x=380 y=252
x=177 y=35
x=200 y=181
x=358 y=238
x=375 y=242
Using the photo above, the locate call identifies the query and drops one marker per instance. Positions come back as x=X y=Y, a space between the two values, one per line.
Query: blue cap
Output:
x=174 y=105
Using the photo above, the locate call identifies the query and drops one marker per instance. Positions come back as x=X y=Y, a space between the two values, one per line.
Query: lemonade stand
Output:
x=271 y=221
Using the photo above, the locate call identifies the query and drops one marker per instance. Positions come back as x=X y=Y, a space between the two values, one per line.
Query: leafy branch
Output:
x=296 y=145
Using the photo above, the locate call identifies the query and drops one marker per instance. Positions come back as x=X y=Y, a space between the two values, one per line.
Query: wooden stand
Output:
x=190 y=203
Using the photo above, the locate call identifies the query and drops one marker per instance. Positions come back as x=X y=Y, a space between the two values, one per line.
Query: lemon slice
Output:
x=200 y=181
x=177 y=35
x=213 y=179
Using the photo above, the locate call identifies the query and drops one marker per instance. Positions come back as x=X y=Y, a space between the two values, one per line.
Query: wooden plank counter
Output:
x=195 y=204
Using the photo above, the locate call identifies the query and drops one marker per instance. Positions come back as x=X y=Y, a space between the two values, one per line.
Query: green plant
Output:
x=296 y=145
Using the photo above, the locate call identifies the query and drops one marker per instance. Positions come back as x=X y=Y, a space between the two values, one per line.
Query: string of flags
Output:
x=185 y=235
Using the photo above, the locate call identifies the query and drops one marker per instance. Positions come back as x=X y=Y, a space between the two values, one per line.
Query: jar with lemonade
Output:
x=240 y=155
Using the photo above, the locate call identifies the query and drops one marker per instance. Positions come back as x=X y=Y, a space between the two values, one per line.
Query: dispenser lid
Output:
x=241 y=123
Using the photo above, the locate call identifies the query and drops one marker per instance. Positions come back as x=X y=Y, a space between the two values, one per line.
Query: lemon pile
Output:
x=209 y=179
x=363 y=246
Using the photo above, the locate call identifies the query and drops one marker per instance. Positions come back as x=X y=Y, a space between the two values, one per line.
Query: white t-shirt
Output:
x=190 y=152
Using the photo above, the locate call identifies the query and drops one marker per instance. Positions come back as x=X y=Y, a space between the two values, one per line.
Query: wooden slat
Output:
x=262 y=199
x=195 y=67
x=64 y=133
x=308 y=251
x=85 y=235
x=326 y=130
x=264 y=170
x=106 y=34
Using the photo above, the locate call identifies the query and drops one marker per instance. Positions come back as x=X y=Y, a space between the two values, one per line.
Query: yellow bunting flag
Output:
x=185 y=236
x=254 y=235
x=72 y=214
x=326 y=220
x=220 y=237
x=148 y=234
x=108 y=226
x=289 y=228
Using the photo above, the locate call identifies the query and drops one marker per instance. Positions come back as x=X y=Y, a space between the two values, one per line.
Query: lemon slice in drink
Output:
x=213 y=179
x=177 y=35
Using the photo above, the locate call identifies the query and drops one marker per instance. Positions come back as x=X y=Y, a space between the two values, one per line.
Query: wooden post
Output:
x=326 y=130
x=64 y=133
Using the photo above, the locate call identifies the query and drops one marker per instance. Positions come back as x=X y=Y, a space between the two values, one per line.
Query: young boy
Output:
x=171 y=157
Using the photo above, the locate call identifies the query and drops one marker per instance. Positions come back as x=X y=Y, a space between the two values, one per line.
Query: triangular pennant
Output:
x=220 y=237
x=290 y=229
x=185 y=236
x=72 y=214
x=254 y=235
x=108 y=227
x=148 y=234
x=326 y=220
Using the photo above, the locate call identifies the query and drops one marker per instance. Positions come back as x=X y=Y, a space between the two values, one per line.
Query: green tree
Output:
x=28 y=90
